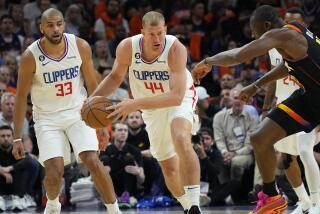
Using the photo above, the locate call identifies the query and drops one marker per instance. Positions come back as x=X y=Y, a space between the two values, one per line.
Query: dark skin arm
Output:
x=288 y=42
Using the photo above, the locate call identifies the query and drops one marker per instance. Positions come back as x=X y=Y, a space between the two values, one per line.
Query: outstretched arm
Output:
x=277 y=38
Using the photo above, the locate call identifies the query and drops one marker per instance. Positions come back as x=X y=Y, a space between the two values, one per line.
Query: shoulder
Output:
x=281 y=34
x=177 y=47
x=82 y=44
x=126 y=43
x=27 y=57
x=220 y=114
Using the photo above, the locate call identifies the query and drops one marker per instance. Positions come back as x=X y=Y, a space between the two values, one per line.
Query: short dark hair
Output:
x=266 y=13
x=6 y=127
x=206 y=130
x=6 y=16
x=296 y=10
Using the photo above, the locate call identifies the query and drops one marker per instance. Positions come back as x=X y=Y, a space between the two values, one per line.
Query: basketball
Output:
x=94 y=112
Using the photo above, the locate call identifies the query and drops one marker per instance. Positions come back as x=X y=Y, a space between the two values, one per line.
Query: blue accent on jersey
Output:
x=151 y=75
x=58 y=76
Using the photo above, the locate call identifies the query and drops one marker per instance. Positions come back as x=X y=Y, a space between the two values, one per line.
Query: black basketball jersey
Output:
x=307 y=68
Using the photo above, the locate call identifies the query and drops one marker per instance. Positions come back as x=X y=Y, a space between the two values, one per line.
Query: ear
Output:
x=41 y=29
x=142 y=31
x=267 y=25
x=165 y=29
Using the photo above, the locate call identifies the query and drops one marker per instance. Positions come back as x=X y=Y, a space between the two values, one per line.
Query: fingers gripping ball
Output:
x=94 y=112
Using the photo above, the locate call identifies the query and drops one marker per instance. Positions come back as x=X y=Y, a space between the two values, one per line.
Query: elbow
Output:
x=177 y=99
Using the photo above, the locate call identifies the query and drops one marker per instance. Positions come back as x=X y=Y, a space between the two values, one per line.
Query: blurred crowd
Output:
x=205 y=27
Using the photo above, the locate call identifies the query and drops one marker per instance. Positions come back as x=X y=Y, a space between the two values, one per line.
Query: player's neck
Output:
x=149 y=54
x=53 y=50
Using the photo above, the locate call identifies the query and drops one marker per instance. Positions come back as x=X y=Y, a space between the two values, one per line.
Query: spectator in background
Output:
x=73 y=19
x=120 y=34
x=3 y=9
x=20 y=27
x=101 y=57
x=9 y=41
x=124 y=163
x=3 y=89
x=206 y=110
x=26 y=42
x=36 y=33
x=17 y=177
x=135 y=23
x=6 y=114
x=139 y=138
x=5 y=77
x=108 y=20
x=232 y=128
x=11 y=62
x=32 y=10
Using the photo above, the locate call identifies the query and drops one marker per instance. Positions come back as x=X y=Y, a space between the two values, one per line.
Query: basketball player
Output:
x=298 y=144
x=54 y=68
x=163 y=89
x=300 y=50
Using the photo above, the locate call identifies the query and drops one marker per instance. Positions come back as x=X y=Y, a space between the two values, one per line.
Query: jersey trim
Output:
x=293 y=27
x=294 y=115
x=59 y=59
x=152 y=61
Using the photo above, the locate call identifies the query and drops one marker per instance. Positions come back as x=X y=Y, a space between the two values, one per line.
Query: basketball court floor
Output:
x=174 y=210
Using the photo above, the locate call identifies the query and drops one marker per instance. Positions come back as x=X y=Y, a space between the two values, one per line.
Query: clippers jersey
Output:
x=285 y=86
x=58 y=83
x=148 y=79
x=307 y=69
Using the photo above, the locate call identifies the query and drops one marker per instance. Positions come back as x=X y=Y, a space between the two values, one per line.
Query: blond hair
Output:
x=152 y=18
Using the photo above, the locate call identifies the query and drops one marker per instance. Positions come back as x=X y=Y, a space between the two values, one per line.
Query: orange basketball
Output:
x=94 y=112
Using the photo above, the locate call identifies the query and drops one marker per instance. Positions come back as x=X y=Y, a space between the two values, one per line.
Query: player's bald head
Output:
x=50 y=13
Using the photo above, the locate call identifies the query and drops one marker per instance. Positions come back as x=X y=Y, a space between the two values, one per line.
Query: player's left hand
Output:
x=122 y=109
x=200 y=71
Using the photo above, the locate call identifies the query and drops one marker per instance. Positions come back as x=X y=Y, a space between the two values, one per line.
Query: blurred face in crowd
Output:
x=27 y=42
x=237 y=104
x=6 y=139
x=52 y=27
x=207 y=140
x=44 y=4
x=198 y=10
x=113 y=8
x=288 y=17
x=120 y=132
x=225 y=98
x=101 y=49
x=227 y=81
x=3 y=88
x=7 y=106
x=154 y=35
x=121 y=32
x=7 y=26
x=73 y=13
x=11 y=62
x=232 y=44
x=17 y=13
x=5 y=74
x=135 y=120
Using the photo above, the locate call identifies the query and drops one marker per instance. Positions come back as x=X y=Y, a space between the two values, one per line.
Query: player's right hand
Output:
x=200 y=71
x=18 y=150
x=247 y=92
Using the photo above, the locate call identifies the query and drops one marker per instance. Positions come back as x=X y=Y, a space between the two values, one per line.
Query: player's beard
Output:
x=51 y=40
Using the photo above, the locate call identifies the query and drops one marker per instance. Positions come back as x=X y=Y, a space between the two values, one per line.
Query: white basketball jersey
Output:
x=149 y=79
x=57 y=83
x=285 y=86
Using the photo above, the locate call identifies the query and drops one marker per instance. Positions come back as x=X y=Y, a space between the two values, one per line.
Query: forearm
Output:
x=276 y=73
x=141 y=176
x=226 y=58
x=221 y=146
x=270 y=95
x=19 y=113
